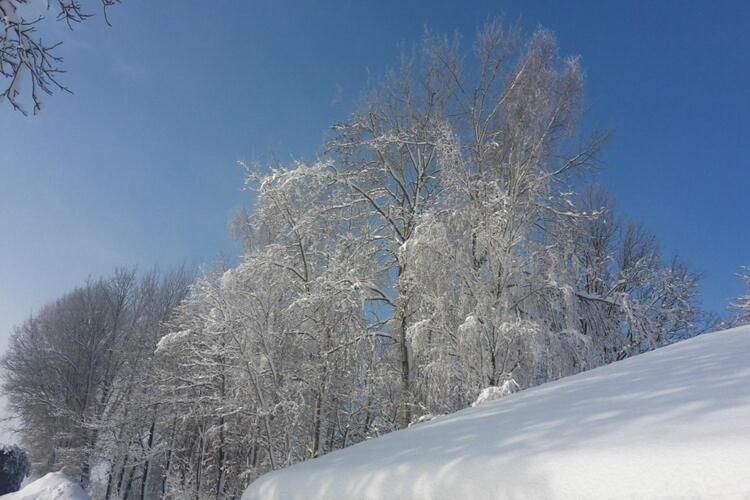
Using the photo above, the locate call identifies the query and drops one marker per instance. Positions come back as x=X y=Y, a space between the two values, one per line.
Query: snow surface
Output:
x=672 y=423
x=53 y=486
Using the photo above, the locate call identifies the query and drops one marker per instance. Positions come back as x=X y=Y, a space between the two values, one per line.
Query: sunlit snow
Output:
x=673 y=423
x=53 y=486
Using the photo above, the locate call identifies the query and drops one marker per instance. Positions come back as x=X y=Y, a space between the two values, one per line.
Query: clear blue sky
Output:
x=138 y=167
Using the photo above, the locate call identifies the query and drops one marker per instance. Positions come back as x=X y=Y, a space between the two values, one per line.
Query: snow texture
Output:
x=53 y=486
x=672 y=423
x=493 y=392
x=170 y=339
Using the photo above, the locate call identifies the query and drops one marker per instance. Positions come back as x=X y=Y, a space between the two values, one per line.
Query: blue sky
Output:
x=139 y=166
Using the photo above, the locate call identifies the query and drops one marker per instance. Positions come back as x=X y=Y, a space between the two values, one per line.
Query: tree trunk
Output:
x=147 y=462
x=405 y=413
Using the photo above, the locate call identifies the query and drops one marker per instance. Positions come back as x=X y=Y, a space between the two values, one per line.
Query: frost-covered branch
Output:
x=25 y=58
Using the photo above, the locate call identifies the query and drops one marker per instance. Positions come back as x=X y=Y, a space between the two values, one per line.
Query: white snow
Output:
x=170 y=339
x=672 y=423
x=53 y=486
x=492 y=393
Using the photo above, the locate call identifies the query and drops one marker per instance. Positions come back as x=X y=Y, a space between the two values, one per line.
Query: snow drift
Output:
x=53 y=486
x=672 y=423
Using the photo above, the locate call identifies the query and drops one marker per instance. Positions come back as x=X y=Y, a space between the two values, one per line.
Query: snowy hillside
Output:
x=53 y=486
x=672 y=423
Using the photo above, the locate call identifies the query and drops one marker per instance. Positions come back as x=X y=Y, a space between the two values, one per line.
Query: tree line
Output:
x=448 y=239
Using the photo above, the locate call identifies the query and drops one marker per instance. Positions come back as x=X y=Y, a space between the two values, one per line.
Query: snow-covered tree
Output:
x=24 y=55
x=74 y=372
x=473 y=155
x=130 y=440
x=445 y=249
x=436 y=250
x=502 y=155
x=741 y=305
x=279 y=345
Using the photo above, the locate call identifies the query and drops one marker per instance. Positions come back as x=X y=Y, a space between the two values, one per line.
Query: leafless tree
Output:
x=24 y=54
x=77 y=366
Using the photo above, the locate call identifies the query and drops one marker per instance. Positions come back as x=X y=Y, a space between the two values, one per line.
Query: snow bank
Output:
x=672 y=423
x=53 y=486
